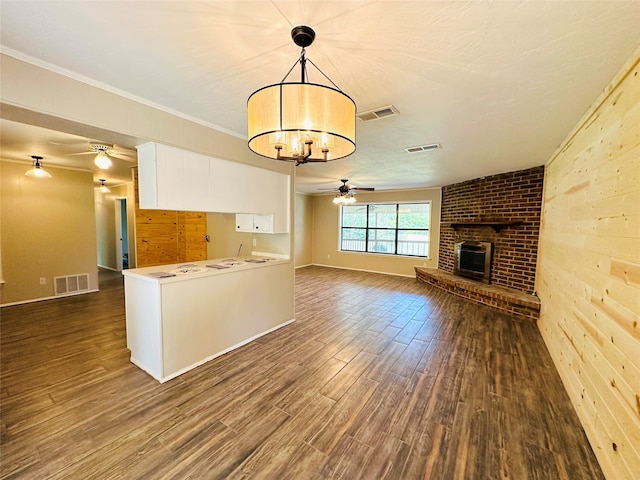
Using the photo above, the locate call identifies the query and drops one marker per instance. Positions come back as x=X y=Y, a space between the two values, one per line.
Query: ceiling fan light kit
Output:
x=37 y=171
x=301 y=121
x=102 y=160
x=344 y=199
x=345 y=194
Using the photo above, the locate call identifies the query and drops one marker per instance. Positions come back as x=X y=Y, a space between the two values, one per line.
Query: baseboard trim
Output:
x=42 y=299
x=108 y=268
x=361 y=270
x=165 y=378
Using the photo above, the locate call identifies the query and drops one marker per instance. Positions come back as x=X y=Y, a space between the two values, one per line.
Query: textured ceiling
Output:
x=498 y=84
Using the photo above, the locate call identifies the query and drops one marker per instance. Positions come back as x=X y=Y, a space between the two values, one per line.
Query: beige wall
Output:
x=303 y=253
x=36 y=96
x=105 y=229
x=588 y=277
x=225 y=241
x=326 y=231
x=48 y=230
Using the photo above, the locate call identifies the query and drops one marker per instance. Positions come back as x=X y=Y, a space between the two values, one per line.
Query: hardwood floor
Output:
x=380 y=377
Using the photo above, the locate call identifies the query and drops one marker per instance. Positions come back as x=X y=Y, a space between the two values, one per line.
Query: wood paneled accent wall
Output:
x=588 y=276
x=507 y=196
x=167 y=236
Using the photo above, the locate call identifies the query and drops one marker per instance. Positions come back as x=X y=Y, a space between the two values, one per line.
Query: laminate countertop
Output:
x=178 y=272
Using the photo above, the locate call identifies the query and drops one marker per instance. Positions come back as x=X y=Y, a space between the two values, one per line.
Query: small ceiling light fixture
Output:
x=300 y=121
x=103 y=187
x=37 y=171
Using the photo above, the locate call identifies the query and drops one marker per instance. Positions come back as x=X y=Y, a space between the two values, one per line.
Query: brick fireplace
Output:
x=503 y=210
x=507 y=197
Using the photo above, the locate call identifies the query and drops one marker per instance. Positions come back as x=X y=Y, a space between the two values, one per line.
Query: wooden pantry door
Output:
x=167 y=236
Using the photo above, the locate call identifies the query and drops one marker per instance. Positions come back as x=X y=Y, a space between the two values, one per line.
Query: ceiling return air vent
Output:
x=423 y=148
x=388 y=111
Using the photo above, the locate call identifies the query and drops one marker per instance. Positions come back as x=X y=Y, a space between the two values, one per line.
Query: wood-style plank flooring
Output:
x=380 y=377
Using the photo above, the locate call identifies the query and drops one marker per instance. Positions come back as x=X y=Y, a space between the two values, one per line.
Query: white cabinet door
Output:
x=195 y=187
x=244 y=222
x=263 y=223
x=161 y=177
x=170 y=177
x=147 y=174
x=224 y=190
x=252 y=190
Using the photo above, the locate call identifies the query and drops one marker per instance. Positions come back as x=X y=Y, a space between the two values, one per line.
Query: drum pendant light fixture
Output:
x=301 y=122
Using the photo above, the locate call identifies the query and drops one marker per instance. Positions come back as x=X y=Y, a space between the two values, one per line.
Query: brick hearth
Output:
x=501 y=298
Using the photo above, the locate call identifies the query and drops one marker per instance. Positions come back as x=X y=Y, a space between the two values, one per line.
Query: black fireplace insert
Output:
x=473 y=260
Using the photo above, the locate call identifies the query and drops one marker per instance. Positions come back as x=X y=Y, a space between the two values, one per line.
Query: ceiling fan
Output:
x=346 y=188
x=103 y=151
x=345 y=192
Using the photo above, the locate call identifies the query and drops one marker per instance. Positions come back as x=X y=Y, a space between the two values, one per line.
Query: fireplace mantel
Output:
x=497 y=225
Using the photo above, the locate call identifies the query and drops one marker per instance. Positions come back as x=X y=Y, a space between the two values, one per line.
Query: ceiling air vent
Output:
x=423 y=148
x=388 y=111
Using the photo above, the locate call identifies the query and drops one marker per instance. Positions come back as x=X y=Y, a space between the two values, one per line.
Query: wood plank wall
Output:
x=166 y=236
x=588 y=277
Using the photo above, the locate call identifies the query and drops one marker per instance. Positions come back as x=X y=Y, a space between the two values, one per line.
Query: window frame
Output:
x=397 y=230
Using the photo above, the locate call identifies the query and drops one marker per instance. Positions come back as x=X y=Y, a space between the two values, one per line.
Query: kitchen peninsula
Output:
x=183 y=315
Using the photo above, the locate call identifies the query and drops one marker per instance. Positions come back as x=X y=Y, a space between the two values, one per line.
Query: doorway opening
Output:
x=122 y=234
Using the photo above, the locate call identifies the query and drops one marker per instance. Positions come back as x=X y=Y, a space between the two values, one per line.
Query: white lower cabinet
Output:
x=177 y=323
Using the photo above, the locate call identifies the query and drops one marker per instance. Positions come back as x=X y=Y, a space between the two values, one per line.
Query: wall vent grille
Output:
x=71 y=284
x=388 y=111
x=423 y=148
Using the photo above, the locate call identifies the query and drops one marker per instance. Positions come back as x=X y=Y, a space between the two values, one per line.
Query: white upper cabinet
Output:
x=225 y=180
x=173 y=179
x=170 y=178
x=258 y=223
x=195 y=182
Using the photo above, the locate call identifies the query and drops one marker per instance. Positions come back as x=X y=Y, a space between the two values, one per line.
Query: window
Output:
x=394 y=229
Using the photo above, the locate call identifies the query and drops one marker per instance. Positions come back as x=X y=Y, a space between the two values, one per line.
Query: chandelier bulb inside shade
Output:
x=102 y=161
x=37 y=171
x=301 y=121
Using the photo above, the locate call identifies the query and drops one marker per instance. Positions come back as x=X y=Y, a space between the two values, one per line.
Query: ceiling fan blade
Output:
x=60 y=144
x=83 y=153
x=119 y=149
x=121 y=156
x=364 y=189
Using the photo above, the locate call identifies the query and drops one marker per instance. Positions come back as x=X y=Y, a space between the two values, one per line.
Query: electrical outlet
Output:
x=254 y=242
x=43 y=281
x=328 y=256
